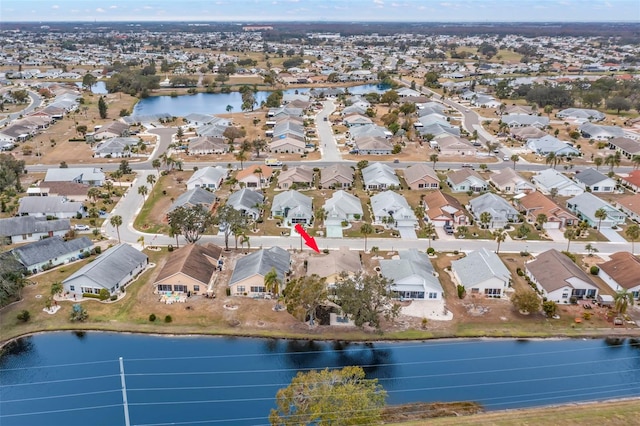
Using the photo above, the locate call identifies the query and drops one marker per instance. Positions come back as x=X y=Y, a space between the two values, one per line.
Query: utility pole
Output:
x=125 y=403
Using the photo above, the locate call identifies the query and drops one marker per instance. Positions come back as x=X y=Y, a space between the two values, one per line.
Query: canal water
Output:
x=216 y=103
x=70 y=378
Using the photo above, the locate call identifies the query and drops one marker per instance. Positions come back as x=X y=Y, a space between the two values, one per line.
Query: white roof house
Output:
x=342 y=206
x=581 y=114
x=500 y=210
x=585 y=206
x=548 y=179
x=293 y=207
x=548 y=144
x=595 y=131
x=86 y=175
x=208 y=178
x=379 y=176
x=413 y=276
x=391 y=206
x=595 y=181
x=482 y=272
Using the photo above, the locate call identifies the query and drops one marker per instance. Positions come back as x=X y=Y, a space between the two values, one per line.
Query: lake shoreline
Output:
x=263 y=334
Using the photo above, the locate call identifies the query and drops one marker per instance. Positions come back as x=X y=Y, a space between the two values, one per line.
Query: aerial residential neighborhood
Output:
x=310 y=181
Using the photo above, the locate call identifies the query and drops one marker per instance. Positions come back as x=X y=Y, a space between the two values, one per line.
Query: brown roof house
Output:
x=535 y=203
x=255 y=177
x=295 y=177
x=630 y=205
x=443 y=209
x=190 y=269
x=337 y=175
x=622 y=272
x=421 y=176
x=509 y=181
x=559 y=279
x=333 y=264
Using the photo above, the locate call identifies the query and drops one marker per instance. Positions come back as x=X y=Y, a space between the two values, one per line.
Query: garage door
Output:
x=407 y=233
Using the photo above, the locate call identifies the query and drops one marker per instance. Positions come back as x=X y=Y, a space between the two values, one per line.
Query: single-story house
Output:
x=210 y=178
x=58 y=207
x=632 y=180
x=49 y=252
x=372 y=145
x=559 y=279
x=249 y=203
x=581 y=114
x=454 y=145
x=464 y=180
x=413 y=276
x=622 y=272
x=114 y=129
x=482 y=272
x=115 y=147
x=190 y=269
x=526 y=133
x=421 y=176
x=510 y=182
x=392 y=209
x=625 y=146
x=595 y=181
x=293 y=207
x=536 y=203
x=70 y=190
x=255 y=176
x=585 y=206
x=500 y=210
x=249 y=271
x=286 y=145
x=194 y=197
x=113 y=270
x=548 y=179
x=203 y=145
x=550 y=144
x=443 y=209
x=630 y=205
x=22 y=229
x=356 y=119
x=342 y=206
x=337 y=175
x=523 y=120
x=597 y=132
x=92 y=176
x=299 y=176
x=378 y=176
x=331 y=265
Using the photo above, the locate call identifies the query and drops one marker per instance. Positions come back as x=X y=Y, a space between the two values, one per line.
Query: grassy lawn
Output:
x=164 y=192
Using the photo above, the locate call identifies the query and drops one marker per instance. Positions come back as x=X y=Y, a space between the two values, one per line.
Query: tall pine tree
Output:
x=102 y=108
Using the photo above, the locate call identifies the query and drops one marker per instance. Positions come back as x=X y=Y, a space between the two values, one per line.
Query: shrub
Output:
x=461 y=291
x=228 y=291
x=520 y=272
x=168 y=319
x=170 y=247
x=431 y=251
x=586 y=315
x=152 y=317
x=104 y=294
x=526 y=301
x=594 y=270
x=570 y=256
x=24 y=316
x=98 y=249
x=113 y=297
x=91 y=296
x=550 y=308
x=456 y=252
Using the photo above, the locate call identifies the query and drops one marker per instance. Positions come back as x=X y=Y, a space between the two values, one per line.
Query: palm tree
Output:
x=141 y=241
x=151 y=179
x=116 y=221
x=589 y=248
x=244 y=239
x=485 y=219
x=541 y=219
x=612 y=161
x=635 y=160
x=258 y=171
x=93 y=193
x=117 y=175
x=430 y=231
x=622 y=300
x=500 y=236
x=515 y=158
x=633 y=233
x=434 y=159
x=272 y=285
x=93 y=214
x=366 y=229
x=56 y=288
x=174 y=231
x=598 y=162
x=241 y=156
x=143 y=190
x=569 y=234
x=600 y=214
x=552 y=159
x=156 y=165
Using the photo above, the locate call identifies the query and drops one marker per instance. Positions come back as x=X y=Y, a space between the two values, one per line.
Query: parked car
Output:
x=448 y=229
x=467 y=166
x=81 y=227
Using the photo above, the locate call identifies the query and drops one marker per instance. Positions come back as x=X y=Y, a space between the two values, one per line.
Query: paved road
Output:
x=327 y=140
x=34 y=102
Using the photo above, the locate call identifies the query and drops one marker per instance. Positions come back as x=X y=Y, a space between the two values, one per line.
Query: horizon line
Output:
x=327 y=21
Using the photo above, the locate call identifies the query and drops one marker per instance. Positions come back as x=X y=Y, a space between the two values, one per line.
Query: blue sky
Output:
x=317 y=10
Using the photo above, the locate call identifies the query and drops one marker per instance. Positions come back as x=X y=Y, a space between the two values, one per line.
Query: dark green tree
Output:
x=230 y=221
x=191 y=221
x=304 y=295
x=10 y=172
x=102 y=107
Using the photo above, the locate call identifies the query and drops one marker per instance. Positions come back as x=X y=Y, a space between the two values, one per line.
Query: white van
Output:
x=273 y=162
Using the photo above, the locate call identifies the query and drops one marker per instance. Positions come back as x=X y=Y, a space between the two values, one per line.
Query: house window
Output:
x=433 y=295
x=241 y=289
x=475 y=290
x=72 y=288
x=165 y=287
x=596 y=188
x=565 y=295
x=607 y=189
x=180 y=288
x=591 y=294
x=196 y=287
x=96 y=291
x=421 y=185
x=492 y=292
x=258 y=289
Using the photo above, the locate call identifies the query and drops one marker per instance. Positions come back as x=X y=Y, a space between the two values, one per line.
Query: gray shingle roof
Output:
x=112 y=266
x=246 y=199
x=47 y=205
x=479 y=266
x=590 y=176
x=31 y=225
x=260 y=263
x=49 y=249
x=411 y=263
x=194 y=197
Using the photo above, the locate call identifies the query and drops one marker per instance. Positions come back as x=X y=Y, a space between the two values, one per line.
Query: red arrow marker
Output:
x=308 y=240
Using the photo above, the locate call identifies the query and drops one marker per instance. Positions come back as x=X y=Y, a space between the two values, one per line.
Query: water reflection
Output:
x=17 y=348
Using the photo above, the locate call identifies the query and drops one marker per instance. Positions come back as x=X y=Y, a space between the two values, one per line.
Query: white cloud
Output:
x=147 y=7
x=100 y=10
x=113 y=7
x=55 y=6
x=378 y=2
